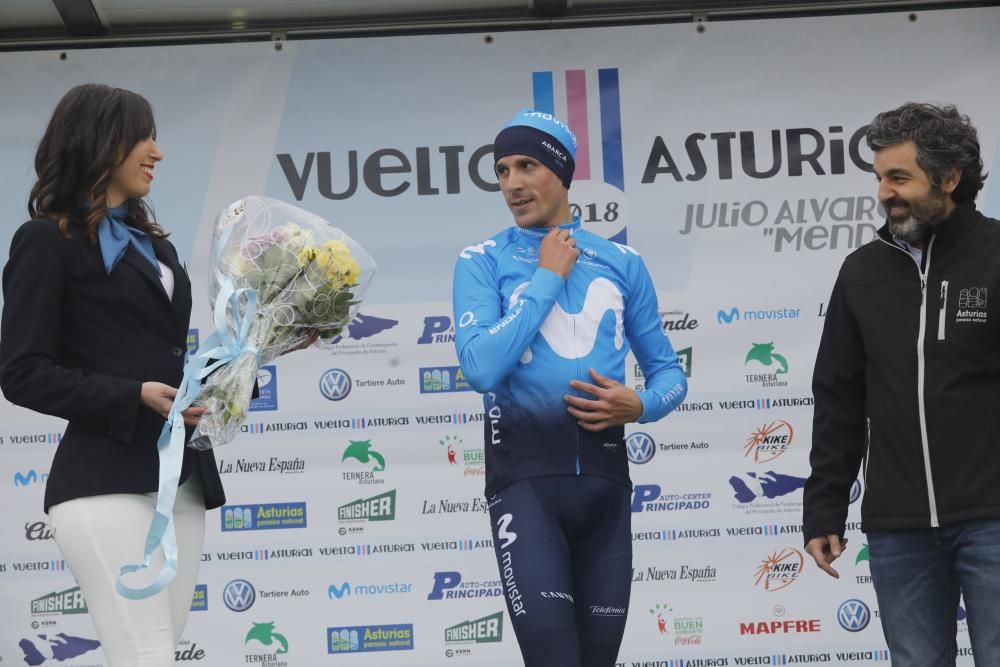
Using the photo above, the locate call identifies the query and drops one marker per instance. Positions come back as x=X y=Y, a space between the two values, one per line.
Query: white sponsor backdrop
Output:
x=381 y=136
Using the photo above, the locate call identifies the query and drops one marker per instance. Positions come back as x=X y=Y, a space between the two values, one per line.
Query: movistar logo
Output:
x=345 y=589
x=573 y=336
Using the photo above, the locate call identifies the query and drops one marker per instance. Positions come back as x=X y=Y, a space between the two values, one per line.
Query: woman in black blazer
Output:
x=94 y=331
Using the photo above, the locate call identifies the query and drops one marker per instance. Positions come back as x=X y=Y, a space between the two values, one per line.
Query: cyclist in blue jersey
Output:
x=546 y=313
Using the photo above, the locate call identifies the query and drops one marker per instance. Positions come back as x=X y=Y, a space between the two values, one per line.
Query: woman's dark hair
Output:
x=945 y=140
x=92 y=130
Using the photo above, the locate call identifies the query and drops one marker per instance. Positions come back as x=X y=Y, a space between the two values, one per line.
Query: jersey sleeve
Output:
x=487 y=341
x=666 y=384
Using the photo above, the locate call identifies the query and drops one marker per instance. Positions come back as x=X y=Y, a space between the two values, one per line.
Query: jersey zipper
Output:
x=921 y=368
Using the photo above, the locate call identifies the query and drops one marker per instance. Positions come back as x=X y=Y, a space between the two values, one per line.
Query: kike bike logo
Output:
x=780 y=569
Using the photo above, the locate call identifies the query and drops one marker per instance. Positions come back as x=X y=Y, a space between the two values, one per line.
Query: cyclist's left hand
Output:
x=614 y=403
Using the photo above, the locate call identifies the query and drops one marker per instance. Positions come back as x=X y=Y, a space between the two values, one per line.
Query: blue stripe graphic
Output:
x=611 y=128
x=542 y=86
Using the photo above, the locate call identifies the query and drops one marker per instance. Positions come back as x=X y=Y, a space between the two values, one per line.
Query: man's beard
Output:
x=922 y=217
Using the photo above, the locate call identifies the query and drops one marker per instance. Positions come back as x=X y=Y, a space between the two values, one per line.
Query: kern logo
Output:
x=377 y=508
x=734 y=315
x=335 y=384
x=640 y=448
x=368 y=638
x=239 y=595
x=780 y=569
x=65 y=602
x=29 y=478
x=485 y=630
x=854 y=615
x=769 y=441
x=601 y=193
x=266 y=516
x=437 y=329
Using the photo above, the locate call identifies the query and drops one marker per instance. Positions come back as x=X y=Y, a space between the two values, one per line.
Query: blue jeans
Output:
x=918 y=576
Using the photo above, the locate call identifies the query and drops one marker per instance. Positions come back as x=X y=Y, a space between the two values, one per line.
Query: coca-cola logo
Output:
x=39 y=530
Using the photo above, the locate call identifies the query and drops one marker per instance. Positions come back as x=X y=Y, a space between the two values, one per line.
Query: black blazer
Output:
x=77 y=343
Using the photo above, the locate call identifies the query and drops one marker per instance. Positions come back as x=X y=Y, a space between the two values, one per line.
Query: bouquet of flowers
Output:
x=279 y=274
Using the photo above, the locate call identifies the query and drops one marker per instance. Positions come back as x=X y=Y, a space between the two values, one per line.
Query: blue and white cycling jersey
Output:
x=523 y=333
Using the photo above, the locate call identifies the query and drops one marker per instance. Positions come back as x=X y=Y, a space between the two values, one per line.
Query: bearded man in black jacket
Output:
x=907 y=382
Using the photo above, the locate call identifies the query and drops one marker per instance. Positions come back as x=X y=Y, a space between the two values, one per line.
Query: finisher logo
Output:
x=65 y=602
x=488 y=629
x=377 y=508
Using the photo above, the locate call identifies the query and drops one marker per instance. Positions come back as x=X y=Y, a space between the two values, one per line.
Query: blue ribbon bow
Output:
x=223 y=346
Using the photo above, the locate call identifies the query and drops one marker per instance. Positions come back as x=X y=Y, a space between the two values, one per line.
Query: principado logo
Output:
x=239 y=595
x=769 y=441
x=640 y=448
x=335 y=384
x=780 y=569
x=853 y=615
x=437 y=329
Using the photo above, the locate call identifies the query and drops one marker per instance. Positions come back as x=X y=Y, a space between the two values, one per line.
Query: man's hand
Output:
x=614 y=405
x=558 y=252
x=159 y=398
x=825 y=550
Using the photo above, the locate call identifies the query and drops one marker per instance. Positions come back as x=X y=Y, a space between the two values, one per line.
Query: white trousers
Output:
x=99 y=534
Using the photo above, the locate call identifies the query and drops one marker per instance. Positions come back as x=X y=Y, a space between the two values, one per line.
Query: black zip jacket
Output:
x=907 y=382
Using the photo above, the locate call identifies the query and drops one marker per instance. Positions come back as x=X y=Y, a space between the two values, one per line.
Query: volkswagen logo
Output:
x=640 y=448
x=335 y=384
x=855 y=491
x=239 y=595
x=854 y=615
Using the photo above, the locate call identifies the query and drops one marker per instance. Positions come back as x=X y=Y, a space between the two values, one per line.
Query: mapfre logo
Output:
x=769 y=441
x=780 y=569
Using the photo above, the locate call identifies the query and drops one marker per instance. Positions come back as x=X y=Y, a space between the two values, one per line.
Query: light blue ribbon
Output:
x=223 y=346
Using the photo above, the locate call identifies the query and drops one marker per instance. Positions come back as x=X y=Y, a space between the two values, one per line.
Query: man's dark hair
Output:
x=945 y=140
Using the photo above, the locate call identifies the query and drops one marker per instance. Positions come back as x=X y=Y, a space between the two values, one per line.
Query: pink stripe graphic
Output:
x=576 y=99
